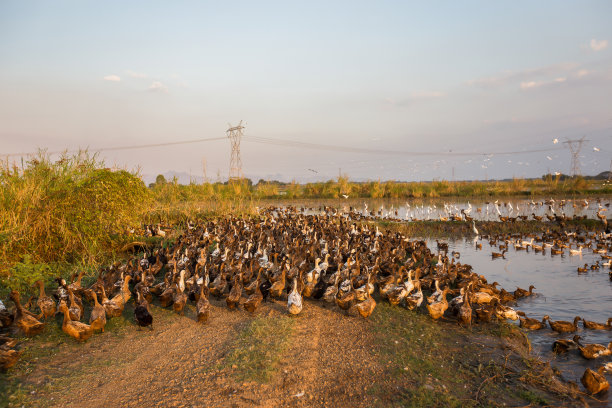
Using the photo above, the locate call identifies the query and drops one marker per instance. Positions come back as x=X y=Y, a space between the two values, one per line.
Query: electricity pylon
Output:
x=235 y=135
x=575 y=146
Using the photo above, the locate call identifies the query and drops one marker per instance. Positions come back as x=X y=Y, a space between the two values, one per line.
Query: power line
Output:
x=346 y=149
x=131 y=147
x=304 y=145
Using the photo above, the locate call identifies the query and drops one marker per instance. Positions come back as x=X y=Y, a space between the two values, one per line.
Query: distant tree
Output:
x=160 y=179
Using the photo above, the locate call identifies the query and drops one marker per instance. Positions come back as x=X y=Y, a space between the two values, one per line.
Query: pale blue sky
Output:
x=409 y=76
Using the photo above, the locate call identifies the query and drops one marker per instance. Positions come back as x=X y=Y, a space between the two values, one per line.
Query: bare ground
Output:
x=396 y=358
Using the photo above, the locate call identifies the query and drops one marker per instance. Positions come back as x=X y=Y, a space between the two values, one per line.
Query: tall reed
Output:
x=73 y=210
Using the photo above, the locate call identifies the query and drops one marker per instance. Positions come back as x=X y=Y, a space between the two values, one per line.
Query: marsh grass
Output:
x=71 y=211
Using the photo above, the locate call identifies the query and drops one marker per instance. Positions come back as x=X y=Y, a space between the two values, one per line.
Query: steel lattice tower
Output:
x=575 y=146
x=235 y=135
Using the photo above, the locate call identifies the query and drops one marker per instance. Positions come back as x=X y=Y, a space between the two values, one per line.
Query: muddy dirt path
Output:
x=328 y=359
x=180 y=363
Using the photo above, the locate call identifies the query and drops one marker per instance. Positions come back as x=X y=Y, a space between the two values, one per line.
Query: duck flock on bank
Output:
x=505 y=211
x=289 y=256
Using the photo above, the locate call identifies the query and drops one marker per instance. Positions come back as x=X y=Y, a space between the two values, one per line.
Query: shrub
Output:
x=67 y=211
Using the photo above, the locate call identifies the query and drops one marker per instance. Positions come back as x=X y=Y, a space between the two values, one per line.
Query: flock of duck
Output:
x=290 y=256
x=550 y=209
x=559 y=244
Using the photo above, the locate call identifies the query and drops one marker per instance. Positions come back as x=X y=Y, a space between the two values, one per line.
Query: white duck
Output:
x=576 y=251
x=294 y=301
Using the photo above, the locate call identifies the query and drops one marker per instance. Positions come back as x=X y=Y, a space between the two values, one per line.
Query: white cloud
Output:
x=157 y=86
x=133 y=74
x=112 y=78
x=538 y=84
x=531 y=84
x=524 y=76
x=598 y=45
x=583 y=72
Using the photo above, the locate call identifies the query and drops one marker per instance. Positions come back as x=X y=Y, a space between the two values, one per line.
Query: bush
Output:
x=67 y=211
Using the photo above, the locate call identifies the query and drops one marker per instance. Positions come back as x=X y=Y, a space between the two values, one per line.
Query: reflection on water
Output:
x=562 y=294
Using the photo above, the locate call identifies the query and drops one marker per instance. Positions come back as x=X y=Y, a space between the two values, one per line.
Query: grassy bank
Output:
x=460 y=229
x=437 y=364
x=337 y=188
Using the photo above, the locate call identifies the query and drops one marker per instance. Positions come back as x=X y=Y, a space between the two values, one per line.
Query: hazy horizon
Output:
x=368 y=86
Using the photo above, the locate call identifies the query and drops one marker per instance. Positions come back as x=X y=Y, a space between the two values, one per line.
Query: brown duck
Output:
x=233 y=298
x=529 y=323
x=593 y=351
x=45 y=303
x=437 y=309
x=465 y=311
x=97 y=319
x=594 y=381
x=253 y=301
x=77 y=330
x=564 y=345
x=27 y=323
x=597 y=326
x=561 y=326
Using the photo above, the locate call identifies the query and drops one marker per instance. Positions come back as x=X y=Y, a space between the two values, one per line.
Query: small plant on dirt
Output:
x=259 y=348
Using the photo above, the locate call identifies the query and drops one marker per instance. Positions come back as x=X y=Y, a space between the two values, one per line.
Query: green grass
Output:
x=413 y=335
x=428 y=398
x=410 y=346
x=533 y=398
x=437 y=364
x=257 y=352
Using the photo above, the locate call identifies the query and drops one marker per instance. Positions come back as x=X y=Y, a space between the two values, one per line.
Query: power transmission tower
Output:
x=235 y=135
x=575 y=146
x=205 y=179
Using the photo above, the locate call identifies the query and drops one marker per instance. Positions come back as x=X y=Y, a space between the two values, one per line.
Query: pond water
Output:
x=562 y=294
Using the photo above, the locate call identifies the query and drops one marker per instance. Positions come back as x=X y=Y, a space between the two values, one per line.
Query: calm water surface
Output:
x=562 y=294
